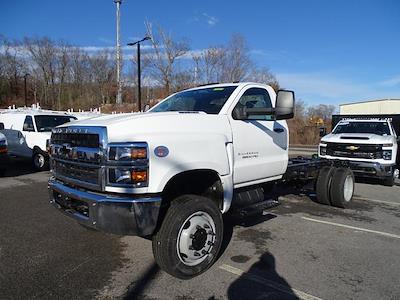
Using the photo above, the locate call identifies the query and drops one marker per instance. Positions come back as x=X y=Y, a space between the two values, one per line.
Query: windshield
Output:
x=209 y=100
x=380 y=128
x=47 y=123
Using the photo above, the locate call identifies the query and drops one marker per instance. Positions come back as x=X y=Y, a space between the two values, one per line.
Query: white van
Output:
x=27 y=132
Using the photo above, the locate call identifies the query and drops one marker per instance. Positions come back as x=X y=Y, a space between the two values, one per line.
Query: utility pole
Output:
x=119 y=91
x=25 y=89
x=138 y=70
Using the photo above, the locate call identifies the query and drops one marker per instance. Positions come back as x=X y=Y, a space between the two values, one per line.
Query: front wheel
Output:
x=190 y=237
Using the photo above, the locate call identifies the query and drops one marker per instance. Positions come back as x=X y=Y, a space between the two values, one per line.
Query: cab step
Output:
x=254 y=209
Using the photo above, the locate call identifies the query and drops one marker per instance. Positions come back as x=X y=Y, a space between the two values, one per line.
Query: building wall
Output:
x=371 y=107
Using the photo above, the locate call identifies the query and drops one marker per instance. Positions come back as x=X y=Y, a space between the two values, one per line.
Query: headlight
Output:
x=128 y=176
x=128 y=165
x=387 y=154
x=127 y=153
x=322 y=149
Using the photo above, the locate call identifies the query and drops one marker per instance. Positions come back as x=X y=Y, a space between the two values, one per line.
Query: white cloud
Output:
x=323 y=87
x=204 y=18
x=211 y=20
x=394 y=81
x=106 y=40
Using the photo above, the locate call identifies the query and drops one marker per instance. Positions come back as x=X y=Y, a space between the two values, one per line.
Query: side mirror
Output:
x=284 y=107
x=146 y=107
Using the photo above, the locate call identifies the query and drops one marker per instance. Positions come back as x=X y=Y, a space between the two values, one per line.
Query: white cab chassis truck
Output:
x=27 y=132
x=171 y=173
x=367 y=144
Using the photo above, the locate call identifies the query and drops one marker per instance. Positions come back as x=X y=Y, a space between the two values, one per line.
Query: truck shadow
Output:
x=136 y=290
x=261 y=281
x=230 y=222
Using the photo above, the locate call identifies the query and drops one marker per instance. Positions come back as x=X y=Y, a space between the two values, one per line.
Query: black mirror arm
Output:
x=259 y=111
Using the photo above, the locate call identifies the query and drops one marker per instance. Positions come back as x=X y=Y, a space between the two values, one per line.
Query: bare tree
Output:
x=237 y=63
x=210 y=64
x=165 y=53
x=323 y=111
x=43 y=54
x=263 y=75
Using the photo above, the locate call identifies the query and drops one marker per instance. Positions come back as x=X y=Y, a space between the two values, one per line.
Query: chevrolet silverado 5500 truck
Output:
x=170 y=173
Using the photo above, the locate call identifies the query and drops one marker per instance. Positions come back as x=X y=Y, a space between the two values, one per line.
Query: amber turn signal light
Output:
x=139 y=176
x=138 y=153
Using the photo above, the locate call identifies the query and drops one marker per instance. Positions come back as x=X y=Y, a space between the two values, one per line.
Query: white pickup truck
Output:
x=170 y=173
x=368 y=145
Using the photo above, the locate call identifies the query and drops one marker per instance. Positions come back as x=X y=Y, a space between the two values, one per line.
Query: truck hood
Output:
x=137 y=126
x=358 y=138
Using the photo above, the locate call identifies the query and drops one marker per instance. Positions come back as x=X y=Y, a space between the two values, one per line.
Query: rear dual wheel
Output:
x=335 y=186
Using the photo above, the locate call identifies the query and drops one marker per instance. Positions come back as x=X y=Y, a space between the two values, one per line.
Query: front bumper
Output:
x=122 y=215
x=367 y=169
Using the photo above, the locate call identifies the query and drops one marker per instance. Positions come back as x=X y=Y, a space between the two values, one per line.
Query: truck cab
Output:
x=369 y=145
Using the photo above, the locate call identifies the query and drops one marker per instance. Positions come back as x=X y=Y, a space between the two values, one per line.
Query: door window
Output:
x=28 y=124
x=255 y=98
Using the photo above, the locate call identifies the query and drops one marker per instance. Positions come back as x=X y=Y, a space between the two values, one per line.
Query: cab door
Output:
x=260 y=143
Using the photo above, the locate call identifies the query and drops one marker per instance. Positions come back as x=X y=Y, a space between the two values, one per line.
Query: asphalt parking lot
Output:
x=297 y=250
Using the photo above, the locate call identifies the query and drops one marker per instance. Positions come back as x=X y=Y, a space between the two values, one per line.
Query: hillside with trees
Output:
x=61 y=76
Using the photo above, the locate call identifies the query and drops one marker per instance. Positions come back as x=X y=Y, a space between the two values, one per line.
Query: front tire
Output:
x=190 y=237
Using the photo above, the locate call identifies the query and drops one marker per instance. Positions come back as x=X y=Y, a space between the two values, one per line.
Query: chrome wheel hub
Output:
x=39 y=160
x=196 y=238
x=348 y=188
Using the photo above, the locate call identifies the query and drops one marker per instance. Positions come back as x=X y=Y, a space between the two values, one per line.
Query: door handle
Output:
x=279 y=130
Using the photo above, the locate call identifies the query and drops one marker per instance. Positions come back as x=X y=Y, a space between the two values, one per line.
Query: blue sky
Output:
x=327 y=51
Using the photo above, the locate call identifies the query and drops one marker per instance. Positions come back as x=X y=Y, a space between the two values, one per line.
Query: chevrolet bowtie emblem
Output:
x=352 y=148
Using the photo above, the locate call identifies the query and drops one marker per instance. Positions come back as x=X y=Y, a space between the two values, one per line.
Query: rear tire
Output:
x=40 y=161
x=342 y=187
x=190 y=237
x=323 y=185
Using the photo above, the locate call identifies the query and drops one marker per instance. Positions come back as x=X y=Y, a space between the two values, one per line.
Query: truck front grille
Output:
x=89 y=174
x=88 y=140
x=364 y=151
x=77 y=155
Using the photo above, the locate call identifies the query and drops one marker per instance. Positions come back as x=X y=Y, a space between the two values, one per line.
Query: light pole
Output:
x=138 y=69
x=25 y=90
x=119 y=91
